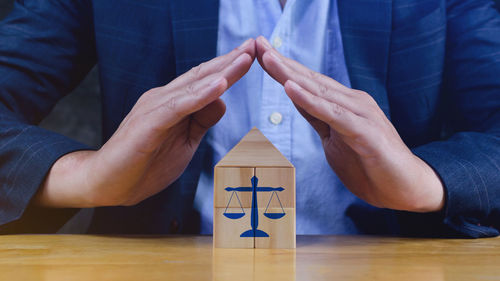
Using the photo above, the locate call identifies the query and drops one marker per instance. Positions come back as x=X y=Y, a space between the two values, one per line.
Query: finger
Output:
x=213 y=66
x=234 y=68
x=321 y=127
x=178 y=105
x=271 y=60
x=205 y=118
x=318 y=77
x=337 y=117
x=313 y=78
x=312 y=82
x=198 y=94
x=263 y=46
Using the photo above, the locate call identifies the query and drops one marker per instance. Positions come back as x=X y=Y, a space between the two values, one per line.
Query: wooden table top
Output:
x=85 y=257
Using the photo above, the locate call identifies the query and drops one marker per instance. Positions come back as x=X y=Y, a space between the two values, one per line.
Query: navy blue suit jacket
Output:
x=432 y=66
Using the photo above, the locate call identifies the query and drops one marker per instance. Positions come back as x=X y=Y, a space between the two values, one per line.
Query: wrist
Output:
x=431 y=195
x=66 y=184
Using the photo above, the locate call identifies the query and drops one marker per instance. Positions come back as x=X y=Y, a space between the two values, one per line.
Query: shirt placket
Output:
x=276 y=109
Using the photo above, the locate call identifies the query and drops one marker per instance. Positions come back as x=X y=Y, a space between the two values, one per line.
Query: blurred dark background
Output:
x=78 y=115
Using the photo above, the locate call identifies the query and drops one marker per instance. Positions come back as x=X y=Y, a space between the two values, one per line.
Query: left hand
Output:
x=360 y=143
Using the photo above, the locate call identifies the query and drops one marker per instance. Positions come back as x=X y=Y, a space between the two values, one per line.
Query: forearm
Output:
x=467 y=164
x=154 y=143
x=429 y=189
x=27 y=153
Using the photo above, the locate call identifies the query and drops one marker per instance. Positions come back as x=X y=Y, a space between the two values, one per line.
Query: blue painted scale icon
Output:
x=254 y=219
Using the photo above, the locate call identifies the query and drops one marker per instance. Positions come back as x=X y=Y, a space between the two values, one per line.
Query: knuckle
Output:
x=190 y=89
x=336 y=109
x=324 y=91
x=336 y=112
x=373 y=105
x=364 y=95
x=146 y=96
x=368 y=99
x=151 y=91
x=195 y=72
x=171 y=104
x=360 y=93
x=313 y=74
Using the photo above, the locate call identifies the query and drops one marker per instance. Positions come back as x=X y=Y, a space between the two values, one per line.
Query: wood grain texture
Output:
x=256 y=156
x=85 y=257
x=259 y=264
x=232 y=177
x=277 y=177
x=281 y=232
x=254 y=150
x=227 y=231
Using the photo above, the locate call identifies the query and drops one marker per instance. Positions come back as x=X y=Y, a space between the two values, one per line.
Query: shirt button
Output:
x=276 y=118
x=277 y=42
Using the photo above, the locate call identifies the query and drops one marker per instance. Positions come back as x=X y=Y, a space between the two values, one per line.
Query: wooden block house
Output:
x=254 y=196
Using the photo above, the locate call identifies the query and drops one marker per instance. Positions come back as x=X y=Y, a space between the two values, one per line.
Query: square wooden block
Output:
x=254 y=177
x=276 y=177
x=281 y=230
x=229 y=225
x=232 y=177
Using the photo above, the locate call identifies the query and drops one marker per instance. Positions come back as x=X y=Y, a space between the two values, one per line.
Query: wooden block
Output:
x=227 y=231
x=254 y=175
x=276 y=177
x=281 y=231
x=254 y=150
x=232 y=177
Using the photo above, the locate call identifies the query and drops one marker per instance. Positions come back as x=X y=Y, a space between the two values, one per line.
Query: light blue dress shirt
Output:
x=306 y=31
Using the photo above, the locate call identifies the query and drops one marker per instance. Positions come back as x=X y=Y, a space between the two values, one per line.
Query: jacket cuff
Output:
x=29 y=159
x=467 y=202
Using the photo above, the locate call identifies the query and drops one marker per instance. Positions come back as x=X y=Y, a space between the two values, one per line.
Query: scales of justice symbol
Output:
x=254 y=219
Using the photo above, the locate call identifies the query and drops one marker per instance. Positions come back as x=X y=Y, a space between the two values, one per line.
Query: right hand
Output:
x=154 y=143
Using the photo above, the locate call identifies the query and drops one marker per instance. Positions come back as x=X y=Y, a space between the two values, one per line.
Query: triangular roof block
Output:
x=254 y=150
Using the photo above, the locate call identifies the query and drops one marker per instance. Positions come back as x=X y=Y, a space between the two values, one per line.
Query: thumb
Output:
x=321 y=127
x=205 y=118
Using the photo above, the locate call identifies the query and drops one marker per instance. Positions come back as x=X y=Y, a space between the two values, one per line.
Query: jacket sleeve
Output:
x=46 y=49
x=468 y=162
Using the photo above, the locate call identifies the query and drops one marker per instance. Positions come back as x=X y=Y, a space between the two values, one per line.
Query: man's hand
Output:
x=154 y=143
x=360 y=143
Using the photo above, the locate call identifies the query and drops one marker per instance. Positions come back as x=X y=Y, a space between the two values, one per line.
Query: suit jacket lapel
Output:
x=366 y=32
x=195 y=26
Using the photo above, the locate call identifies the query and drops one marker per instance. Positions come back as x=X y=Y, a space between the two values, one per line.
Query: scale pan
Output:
x=234 y=216
x=274 y=216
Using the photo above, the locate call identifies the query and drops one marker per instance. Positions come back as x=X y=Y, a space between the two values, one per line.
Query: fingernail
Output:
x=245 y=44
x=264 y=42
